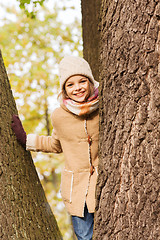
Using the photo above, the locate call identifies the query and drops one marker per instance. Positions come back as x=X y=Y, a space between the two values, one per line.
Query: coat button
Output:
x=89 y=140
x=91 y=169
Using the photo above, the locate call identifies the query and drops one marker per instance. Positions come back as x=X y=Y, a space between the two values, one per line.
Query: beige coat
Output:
x=69 y=137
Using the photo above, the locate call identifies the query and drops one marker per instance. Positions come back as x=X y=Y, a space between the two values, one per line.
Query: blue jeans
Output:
x=83 y=226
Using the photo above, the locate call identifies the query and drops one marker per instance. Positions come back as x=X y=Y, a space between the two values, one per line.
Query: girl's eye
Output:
x=69 y=85
x=84 y=80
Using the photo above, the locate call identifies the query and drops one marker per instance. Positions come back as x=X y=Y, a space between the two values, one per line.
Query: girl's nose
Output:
x=77 y=86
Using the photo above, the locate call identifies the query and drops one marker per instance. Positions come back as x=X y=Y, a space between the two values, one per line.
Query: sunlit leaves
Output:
x=25 y=3
x=32 y=49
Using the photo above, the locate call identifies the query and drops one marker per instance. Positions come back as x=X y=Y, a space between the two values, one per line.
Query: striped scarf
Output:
x=83 y=108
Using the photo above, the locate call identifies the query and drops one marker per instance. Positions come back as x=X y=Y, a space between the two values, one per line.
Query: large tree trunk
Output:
x=128 y=191
x=24 y=211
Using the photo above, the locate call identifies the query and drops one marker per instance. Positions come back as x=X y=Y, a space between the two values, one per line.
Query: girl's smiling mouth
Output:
x=80 y=94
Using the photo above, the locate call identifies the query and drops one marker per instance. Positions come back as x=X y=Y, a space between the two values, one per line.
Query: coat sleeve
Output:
x=43 y=143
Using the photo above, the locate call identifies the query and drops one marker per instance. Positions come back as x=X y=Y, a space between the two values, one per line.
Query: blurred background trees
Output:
x=32 y=48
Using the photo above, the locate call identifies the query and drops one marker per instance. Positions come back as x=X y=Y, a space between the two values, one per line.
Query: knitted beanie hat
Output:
x=70 y=66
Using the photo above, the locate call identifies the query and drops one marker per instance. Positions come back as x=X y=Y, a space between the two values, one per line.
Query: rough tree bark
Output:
x=128 y=190
x=24 y=211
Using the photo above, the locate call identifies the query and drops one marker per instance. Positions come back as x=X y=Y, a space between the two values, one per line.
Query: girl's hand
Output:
x=19 y=130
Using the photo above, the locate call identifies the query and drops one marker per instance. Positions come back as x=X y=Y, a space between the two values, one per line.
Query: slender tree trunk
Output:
x=91 y=35
x=47 y=118
x=24 y=211
x=128 y=189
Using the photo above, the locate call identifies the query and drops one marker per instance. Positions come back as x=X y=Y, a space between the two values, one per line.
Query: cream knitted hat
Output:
x=71 y=65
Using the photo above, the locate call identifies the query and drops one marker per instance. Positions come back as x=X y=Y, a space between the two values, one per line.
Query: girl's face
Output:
x=78 y=88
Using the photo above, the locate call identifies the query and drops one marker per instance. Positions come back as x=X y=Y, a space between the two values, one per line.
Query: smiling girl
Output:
x=75 y=133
